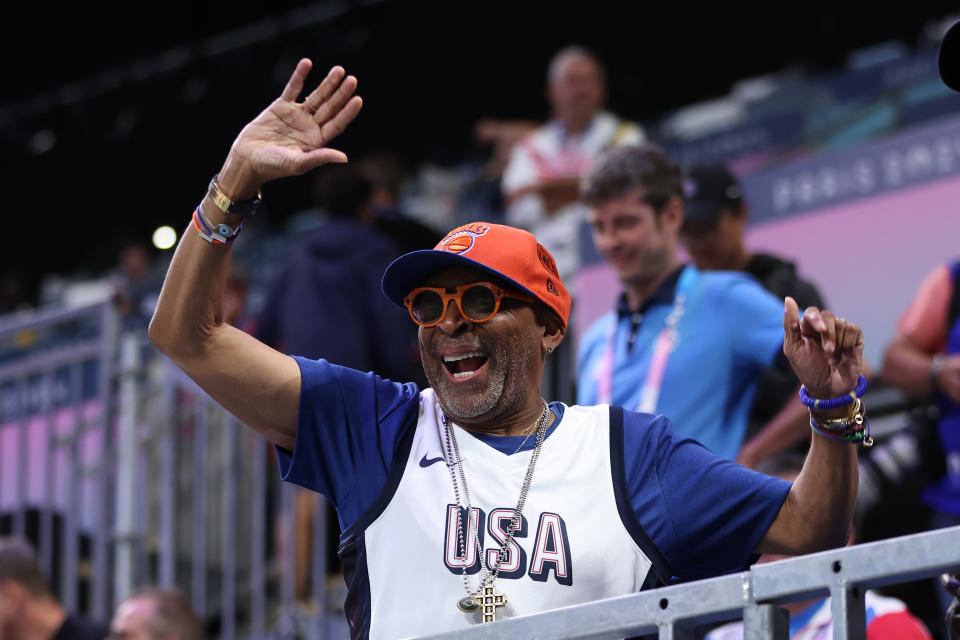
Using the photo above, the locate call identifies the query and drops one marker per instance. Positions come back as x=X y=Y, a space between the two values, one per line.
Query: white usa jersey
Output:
x=578 y=540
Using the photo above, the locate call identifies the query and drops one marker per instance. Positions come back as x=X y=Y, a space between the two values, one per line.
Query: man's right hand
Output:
x=257 y=384
x=289 y=137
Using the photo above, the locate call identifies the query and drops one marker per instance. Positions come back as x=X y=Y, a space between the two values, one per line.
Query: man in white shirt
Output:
x=541 y=183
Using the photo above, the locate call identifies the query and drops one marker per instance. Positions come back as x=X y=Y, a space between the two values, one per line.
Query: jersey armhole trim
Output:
x=660 y=571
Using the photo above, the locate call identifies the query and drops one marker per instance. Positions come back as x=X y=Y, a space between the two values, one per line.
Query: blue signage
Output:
x=921 y=155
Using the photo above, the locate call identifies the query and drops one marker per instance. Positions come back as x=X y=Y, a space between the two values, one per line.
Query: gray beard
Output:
x=506 y=387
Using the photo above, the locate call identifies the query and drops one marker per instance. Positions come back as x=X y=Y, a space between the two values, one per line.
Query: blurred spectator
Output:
x=923 y=359
x=326 y=303
x=481 y=198
x=688 y=344
x=541 y=182
x=501 y=136
x=28 y=608
x=714 y=223
x=156 y=614
x=385 y=173
x=136 y=290
x=886 y=618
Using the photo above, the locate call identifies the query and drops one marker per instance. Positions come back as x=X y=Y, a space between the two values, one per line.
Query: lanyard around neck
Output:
x=662 y=348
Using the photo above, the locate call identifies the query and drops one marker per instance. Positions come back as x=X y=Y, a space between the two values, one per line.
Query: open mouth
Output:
x=465 y=365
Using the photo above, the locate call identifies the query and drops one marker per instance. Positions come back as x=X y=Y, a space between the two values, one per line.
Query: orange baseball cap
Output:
x=511 y=254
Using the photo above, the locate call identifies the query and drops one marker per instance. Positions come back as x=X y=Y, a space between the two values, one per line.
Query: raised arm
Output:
x=257 y=384
x=827 y=353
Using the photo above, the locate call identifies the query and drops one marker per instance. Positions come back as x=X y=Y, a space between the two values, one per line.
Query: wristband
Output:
x=225 y=204
x=832 y=403
x=214 y=234
x=853 y=428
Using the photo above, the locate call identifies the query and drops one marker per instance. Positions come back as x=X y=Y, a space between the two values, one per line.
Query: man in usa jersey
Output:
x=475 y=499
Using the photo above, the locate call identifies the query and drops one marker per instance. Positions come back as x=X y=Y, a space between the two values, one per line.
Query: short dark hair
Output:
x=18 y=562
x=172 y=614
x=547 y=318
x=627 y=167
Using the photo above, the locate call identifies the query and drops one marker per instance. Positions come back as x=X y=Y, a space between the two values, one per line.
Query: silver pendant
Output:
x=468 y=604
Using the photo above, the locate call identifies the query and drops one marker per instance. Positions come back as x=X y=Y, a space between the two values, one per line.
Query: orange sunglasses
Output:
x=477 y=302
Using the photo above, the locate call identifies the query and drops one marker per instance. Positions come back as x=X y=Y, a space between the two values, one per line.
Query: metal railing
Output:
x=673 y=612
x=126 y=475
x=55 y=442
x=215 y=520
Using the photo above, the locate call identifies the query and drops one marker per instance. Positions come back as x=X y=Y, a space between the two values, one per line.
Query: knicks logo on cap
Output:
x=461 y=239
x=547 y=260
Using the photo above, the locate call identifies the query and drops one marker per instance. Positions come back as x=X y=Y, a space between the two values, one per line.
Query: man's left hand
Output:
x=826 y=351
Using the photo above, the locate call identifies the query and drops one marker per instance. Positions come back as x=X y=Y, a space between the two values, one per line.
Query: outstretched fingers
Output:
x=333 y=104
x=335 y=126
x=295 y=83
x=328 y=131
x=316 y=98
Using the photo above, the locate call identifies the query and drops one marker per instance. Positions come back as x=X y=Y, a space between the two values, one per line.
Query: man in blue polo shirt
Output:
x=687 y=344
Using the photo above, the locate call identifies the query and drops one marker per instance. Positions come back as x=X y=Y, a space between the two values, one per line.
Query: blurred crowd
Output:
x=30 y=610
x=322 y=300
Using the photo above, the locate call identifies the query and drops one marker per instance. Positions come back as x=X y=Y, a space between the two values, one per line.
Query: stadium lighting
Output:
x=164 y=237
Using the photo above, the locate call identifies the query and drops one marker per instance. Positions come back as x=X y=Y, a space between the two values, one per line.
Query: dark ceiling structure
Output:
x=114 y=115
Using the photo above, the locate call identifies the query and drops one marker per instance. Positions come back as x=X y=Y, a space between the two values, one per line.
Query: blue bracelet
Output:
x=832 y=403
x=223 y=234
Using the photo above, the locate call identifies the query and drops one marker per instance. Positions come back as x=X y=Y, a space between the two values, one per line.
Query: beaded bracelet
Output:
x=854 y=428
x=224 y=233
x=861 y=435
x=832 y=403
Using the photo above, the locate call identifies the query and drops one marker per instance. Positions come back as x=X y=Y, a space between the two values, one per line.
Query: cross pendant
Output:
x=489 y=601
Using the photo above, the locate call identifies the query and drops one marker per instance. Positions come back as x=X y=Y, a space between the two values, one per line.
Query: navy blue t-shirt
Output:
x=706 y=514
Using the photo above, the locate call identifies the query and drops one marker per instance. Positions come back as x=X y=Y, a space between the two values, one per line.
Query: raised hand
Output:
x=289 y=137
x=824 y=350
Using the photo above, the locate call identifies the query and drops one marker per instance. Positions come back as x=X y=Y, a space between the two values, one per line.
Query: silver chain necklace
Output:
x=527 y=435
x=486 y=599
